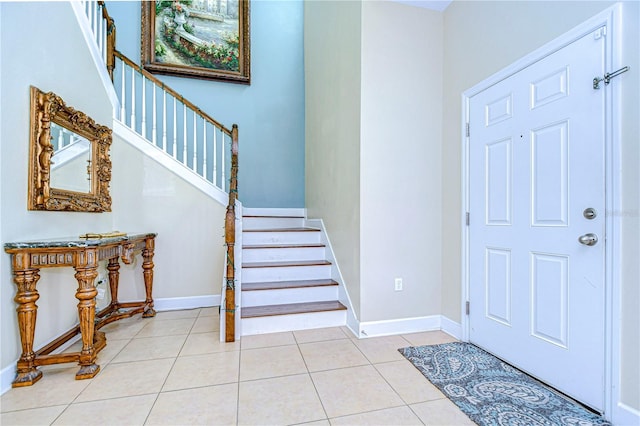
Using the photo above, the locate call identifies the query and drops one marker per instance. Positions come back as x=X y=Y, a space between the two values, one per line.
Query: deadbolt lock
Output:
x=590 y=213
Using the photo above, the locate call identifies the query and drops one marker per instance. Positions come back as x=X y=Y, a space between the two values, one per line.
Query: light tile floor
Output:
x=173 y=370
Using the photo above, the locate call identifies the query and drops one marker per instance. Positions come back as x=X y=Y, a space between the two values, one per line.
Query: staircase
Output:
x=286 y=282
x=286 y=278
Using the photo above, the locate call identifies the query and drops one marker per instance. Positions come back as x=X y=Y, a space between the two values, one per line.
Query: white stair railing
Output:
x=178 y=128
x=156 y=112
x=99 y=24
x=171 y=123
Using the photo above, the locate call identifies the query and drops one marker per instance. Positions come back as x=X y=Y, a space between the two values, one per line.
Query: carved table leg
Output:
x=26 y=297
x=86 y=312
x=114 y=277
x=147 y=267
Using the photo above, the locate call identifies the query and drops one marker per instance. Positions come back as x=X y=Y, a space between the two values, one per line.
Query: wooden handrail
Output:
x=172 y=92
x=111 y=39
x=230 y=240
x=230 y=218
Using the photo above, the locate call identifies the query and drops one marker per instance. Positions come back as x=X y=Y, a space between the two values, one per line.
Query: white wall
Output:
x=189 y=253
x=400 y=171
x=269 y=113
x=332 y=115
x=58 y=62
x=373 y=94
x=480 y=38
x=630 y=270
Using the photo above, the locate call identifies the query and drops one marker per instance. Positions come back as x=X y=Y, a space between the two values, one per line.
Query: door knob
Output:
x=588 y=239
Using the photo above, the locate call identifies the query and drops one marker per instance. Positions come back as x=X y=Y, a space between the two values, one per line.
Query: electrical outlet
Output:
x=101 y=293
x=99 y=280
x=398 y=284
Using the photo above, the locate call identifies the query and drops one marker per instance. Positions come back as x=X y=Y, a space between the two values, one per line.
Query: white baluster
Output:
x=164 y=120
x=123 y=95
x=204 y=148
x=104 y=41
x=99 y=28
x=175 y=130
x=94 y=21
x=143 y=130
x=89 y=10
x=153 y=113
x=60 y=143
x=195 y=144
x=223 y=182
x=133 y=100
x=184 y=133
x=215 y=155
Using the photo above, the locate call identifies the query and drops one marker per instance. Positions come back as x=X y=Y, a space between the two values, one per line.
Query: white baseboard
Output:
x=8 y=374
x=451 y=327
x=623 y=415
x=336 y=274
x=6 y=377
x=193 y=302
x=399 y=326
x=352 y=322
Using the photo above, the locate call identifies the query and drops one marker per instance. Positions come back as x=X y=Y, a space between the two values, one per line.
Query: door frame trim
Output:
x=612 y=19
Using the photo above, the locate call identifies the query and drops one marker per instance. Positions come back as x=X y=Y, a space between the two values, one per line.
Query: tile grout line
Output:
x=238 y=384
x=313 y=383
x=175 y=359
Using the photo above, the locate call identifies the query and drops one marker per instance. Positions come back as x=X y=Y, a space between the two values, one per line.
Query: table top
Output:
x=77 y=241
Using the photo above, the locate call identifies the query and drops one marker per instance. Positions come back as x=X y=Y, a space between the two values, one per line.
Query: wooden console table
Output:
x=83 y=254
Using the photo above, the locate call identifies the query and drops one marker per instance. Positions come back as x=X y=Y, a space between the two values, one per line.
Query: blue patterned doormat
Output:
x=492 y=392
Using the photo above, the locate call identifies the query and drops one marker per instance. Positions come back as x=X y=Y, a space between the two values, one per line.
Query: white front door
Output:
x=537 y=201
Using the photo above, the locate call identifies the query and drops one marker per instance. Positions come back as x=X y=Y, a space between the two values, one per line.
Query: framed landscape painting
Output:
x=197 y=38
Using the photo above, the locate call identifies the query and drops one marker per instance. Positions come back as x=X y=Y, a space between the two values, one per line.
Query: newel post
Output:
x=230 y=240
x=111 y=40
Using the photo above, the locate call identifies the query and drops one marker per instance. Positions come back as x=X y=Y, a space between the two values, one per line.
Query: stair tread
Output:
x=304 y=229
x=292 y=308
x=269 y=246
x=285 y=263
x=273 y=216
x=277 y=285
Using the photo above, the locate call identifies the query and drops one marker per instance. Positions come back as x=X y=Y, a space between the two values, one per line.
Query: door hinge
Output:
x=467 y=220
x=599 y=33
x=467 y=130
x=467 y=308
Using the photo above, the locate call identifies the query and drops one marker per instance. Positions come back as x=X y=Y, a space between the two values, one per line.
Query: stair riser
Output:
x=291 y=295
x=253 y=238
x=298 y=253
x=271 y=222
x=290 y=273
x=280 y=323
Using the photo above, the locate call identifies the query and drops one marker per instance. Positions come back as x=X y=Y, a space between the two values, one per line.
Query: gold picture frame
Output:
x=207 y=39
x=69 y=163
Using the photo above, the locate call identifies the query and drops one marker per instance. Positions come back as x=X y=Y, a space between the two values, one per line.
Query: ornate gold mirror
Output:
x=69 y=164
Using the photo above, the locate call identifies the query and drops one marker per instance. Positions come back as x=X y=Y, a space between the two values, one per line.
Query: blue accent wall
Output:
x=269 y=112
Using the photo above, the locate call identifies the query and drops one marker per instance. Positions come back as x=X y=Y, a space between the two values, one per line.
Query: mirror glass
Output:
x=69 y=163
x=71 y=160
